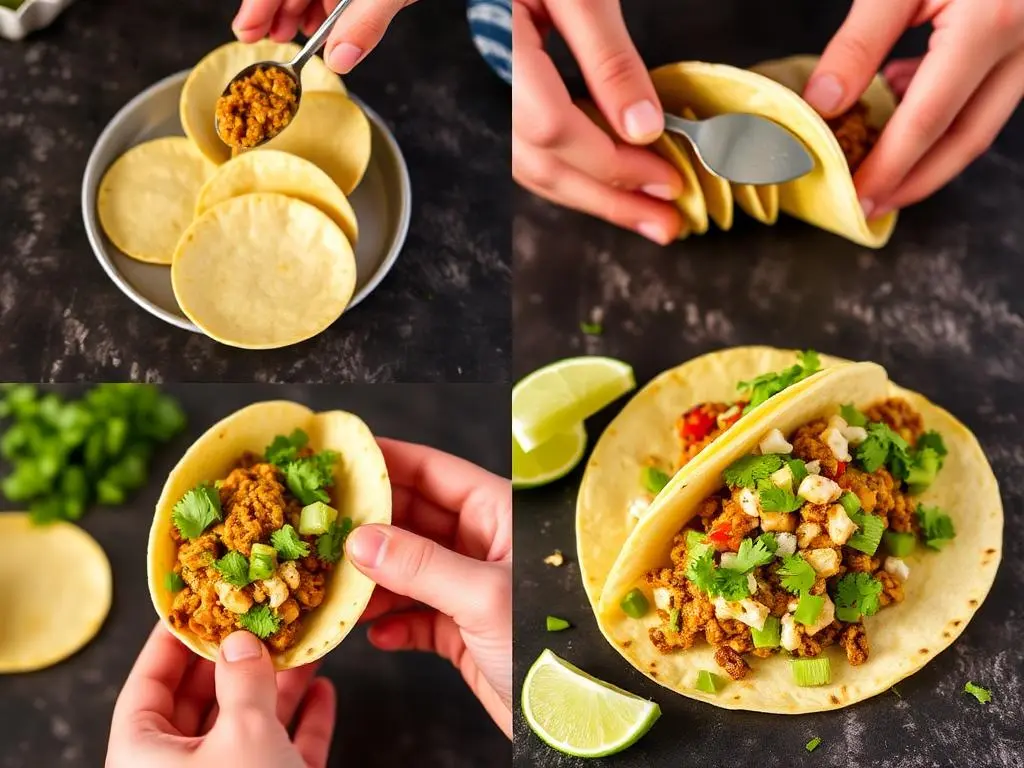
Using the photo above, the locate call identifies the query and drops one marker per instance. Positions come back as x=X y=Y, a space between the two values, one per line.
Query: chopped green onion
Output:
x=869 y=536
x=981 y=694
x=316 y=518
x=812 y=745
x=591 y=329
x=808 y=609
x=899 y=544
x=654 y=479
x=634 y=604
x=555 y=624
x=709 y=682
x=850 y=502
x=852 y=416
x=769 y=637
x=675 y=619
x=173 y=582
x=262 y=562
x=811 y=672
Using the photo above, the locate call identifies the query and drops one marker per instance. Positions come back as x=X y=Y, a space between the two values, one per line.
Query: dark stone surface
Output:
x=442 y=314
x=393 y=709
x=941 y=307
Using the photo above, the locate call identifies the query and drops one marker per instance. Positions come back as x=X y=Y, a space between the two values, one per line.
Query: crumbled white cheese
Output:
x=556 y=558
x=663 y=598
x=896 y=567
x=824 y=561
x=840 y=526
x=853 y=435
x=747 y=500
x=828 y=613
x=751 y=583
x=836 y=443
x=806 y=533
x=775 y=442
x=819 y=489
x=783 y=478
x=232 y=598
x=813 y=467
x=778 y=521
x=750 y=612
x=787 y=544
x=788 y=637
x=638 y=507
x=728 y=559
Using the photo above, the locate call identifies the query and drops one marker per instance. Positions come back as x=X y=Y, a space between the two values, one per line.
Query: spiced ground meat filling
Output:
x=802 y=544
x=257 y=107
x=855 y=136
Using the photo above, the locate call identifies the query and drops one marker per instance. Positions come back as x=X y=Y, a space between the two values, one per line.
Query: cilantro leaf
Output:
x=286 y=449
x=730 y=584
x=260 y=620
x=775 y=499
x=936 y=526
x=852 y=416
x=173 y=582
x=796 y=574
x=234 y=568
x=196 y=510
x=701 y=570
x=981 y=694
x=768 y=540
x=770 y=384
x=752 y=554
x=746 y=471
x=856 y=595
x=932 y=440
x=330 y=545
x=288 y=544
x=654 y=479
x=883 y=446
x=307 y=478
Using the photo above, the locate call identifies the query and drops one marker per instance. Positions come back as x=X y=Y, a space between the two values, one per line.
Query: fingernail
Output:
x=660 y=191
x=366 y=546
x=868 y=206
x=643 y=121
x=824 y=93
x=344 y=57
x=241 y=646
x=653 y=232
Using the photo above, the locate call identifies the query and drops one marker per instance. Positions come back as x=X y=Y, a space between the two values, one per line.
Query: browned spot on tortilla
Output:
x=627 y=644
x=923 y=650
x=654 y=665
x=736 y=697
x=956 y=622
x=972 y=603
x=653 y=673
x=842 y=689
x=945 y=634
x=833 y=698
x=990 y=551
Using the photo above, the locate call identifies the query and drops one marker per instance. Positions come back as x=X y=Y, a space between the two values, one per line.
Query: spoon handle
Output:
x=679 y=125
x=316 y=42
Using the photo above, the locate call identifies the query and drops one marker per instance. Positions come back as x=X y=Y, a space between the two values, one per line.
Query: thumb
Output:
x=358 y=31
x=472 y=592
x=244 y=679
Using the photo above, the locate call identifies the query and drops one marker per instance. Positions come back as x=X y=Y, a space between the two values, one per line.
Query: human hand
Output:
x=955 y=99
x=355 y=34
x=177 y=710
x=558 y=152
x=444 y=569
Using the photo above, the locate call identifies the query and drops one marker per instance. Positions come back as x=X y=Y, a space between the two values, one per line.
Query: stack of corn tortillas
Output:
x=261 y=245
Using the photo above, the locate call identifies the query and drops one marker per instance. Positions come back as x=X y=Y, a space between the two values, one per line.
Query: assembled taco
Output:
x=250 y=528
x=822 y=554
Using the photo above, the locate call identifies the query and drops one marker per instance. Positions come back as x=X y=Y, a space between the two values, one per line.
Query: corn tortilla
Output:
x=147 y=197
x=361 y=491
x=263 y=270
x=57 y=592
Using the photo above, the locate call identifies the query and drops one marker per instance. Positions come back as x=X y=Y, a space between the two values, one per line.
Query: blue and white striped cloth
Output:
x=491 y=24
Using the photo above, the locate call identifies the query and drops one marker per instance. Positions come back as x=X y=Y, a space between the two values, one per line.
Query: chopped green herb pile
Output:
x=813 y=744
x=796 y=574
x=769 y=384
x=260 y=620
x=936 y=527
x=857 y=594
x=981 y=694
x=66 y=454
x=307 y=477
x=747 y=471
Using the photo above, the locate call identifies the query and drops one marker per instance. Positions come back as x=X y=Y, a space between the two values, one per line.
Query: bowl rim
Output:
x=92 y=177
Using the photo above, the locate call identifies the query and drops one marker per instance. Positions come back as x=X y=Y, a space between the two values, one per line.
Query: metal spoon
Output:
x=294 y=67
x=744 y=148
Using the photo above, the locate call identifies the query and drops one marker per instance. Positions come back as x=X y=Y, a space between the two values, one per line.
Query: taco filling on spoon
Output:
x=806 y=539
x=255 y=548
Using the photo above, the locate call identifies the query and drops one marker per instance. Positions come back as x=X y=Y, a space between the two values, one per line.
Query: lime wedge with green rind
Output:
x=550 y=461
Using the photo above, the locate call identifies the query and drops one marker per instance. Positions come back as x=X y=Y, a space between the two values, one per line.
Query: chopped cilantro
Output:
x=173 y=582
x=330 y=545
x=591 y=329
x=798 y=470
x=196 y=510
x=769 y=384
x=260 y=620
x=675 y=619
x=654 y=479
x=883 y=446
x=775 y=499
x=812 y=745
x=936 y=527
x=752 y=554
x=981 y=694
x=701 y=568
x=856 y=596
x=924 y=466
x=932 y=440
x=730 y=584
x=796 y=574
x=769 y=541
x=286 y=449
x=288 y=544
x=852 y=416
x=234 y=567
x=308 y=477
x=745 y=472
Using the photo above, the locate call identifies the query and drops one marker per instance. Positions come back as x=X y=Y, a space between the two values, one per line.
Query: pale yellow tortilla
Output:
x=943 y=592
x=263 y=271
x=56 y=592
x=716 y=191
x=332 y=132
x=285 y=174
x=362 y=491
x=147 y=197
x=825 y=197
x=208 y=79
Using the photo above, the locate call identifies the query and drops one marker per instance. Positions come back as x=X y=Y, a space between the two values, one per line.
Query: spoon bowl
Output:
x=744 y=148
x=288 y=69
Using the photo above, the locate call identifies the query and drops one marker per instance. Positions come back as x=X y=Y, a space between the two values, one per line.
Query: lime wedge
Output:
x=580 y=715
x=557 y=397
x=552 y=460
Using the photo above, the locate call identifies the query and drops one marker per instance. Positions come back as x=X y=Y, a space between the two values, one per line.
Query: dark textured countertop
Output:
x=442 y=314
x=941 y=307
x=393 y=708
